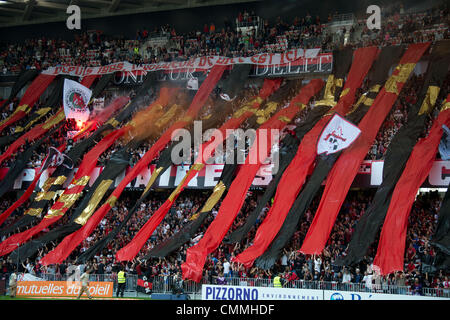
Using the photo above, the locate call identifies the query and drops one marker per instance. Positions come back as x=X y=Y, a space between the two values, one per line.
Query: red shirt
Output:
x=410 y=253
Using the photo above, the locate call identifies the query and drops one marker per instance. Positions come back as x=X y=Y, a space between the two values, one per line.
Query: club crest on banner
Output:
x=76 y=99
x=226 y=97
x=55 y=158
x=337 y=135
x=192 y=84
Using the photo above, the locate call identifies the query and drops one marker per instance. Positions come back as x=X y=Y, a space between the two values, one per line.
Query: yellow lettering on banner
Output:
x=60 y=180
x=111 y=201
x=34 y=212
x=300 y=105
x=364 y=100
x=40 y=195
x=248 y=107
x=218 y=191
x=195 y=167
x=60 y=116
x=153 y=178
x=329 y=92
x=329 y=113
x=41 y=112
x=112 y=122
x=368 y=102
x=430 y=100
x=375 y=88
x=264 y=114
x=243 y=110
x=284 y=119
x=54 y=213
x=81 y=181
x=344 y=92
x=186 y=118
x=339 y=82
x=96 y=198
x=49 y=195
x=445 y=106
x=69 y=198
x=23 y=108
x=168 y=116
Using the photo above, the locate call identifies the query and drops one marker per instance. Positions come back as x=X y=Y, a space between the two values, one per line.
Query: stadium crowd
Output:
x=98 y=48
x=293 y=265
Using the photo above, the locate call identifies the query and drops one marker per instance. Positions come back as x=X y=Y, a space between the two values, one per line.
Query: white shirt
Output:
x=317 y=264
x=346 y=277
x=368 y=280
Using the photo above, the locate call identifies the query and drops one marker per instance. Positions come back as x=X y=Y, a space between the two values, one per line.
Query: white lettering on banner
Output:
x=376 y=177
x=212 y=174
x=142 y=179
x=217 y=292
x=164 y=178
x=263 y=176
x=299 y=56
x=207 y=178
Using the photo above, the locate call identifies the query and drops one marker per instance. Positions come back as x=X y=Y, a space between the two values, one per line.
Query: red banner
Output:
x=232 y=203
x=34 y=91
x=295 y=174
x=391 y=247
x=128 y=252
x=70 y=195
x=33 y=134
x=40 y=129
x=78 y=183
x=344 y=171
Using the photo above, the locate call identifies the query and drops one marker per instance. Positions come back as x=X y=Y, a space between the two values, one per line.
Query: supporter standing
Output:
x=85 y=284
x=13 y=284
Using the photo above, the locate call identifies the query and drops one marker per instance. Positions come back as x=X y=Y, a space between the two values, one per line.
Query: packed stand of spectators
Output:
x=399 y=27
x=419 y=272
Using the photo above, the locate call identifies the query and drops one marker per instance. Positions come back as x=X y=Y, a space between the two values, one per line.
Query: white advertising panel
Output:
x=217 y=292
